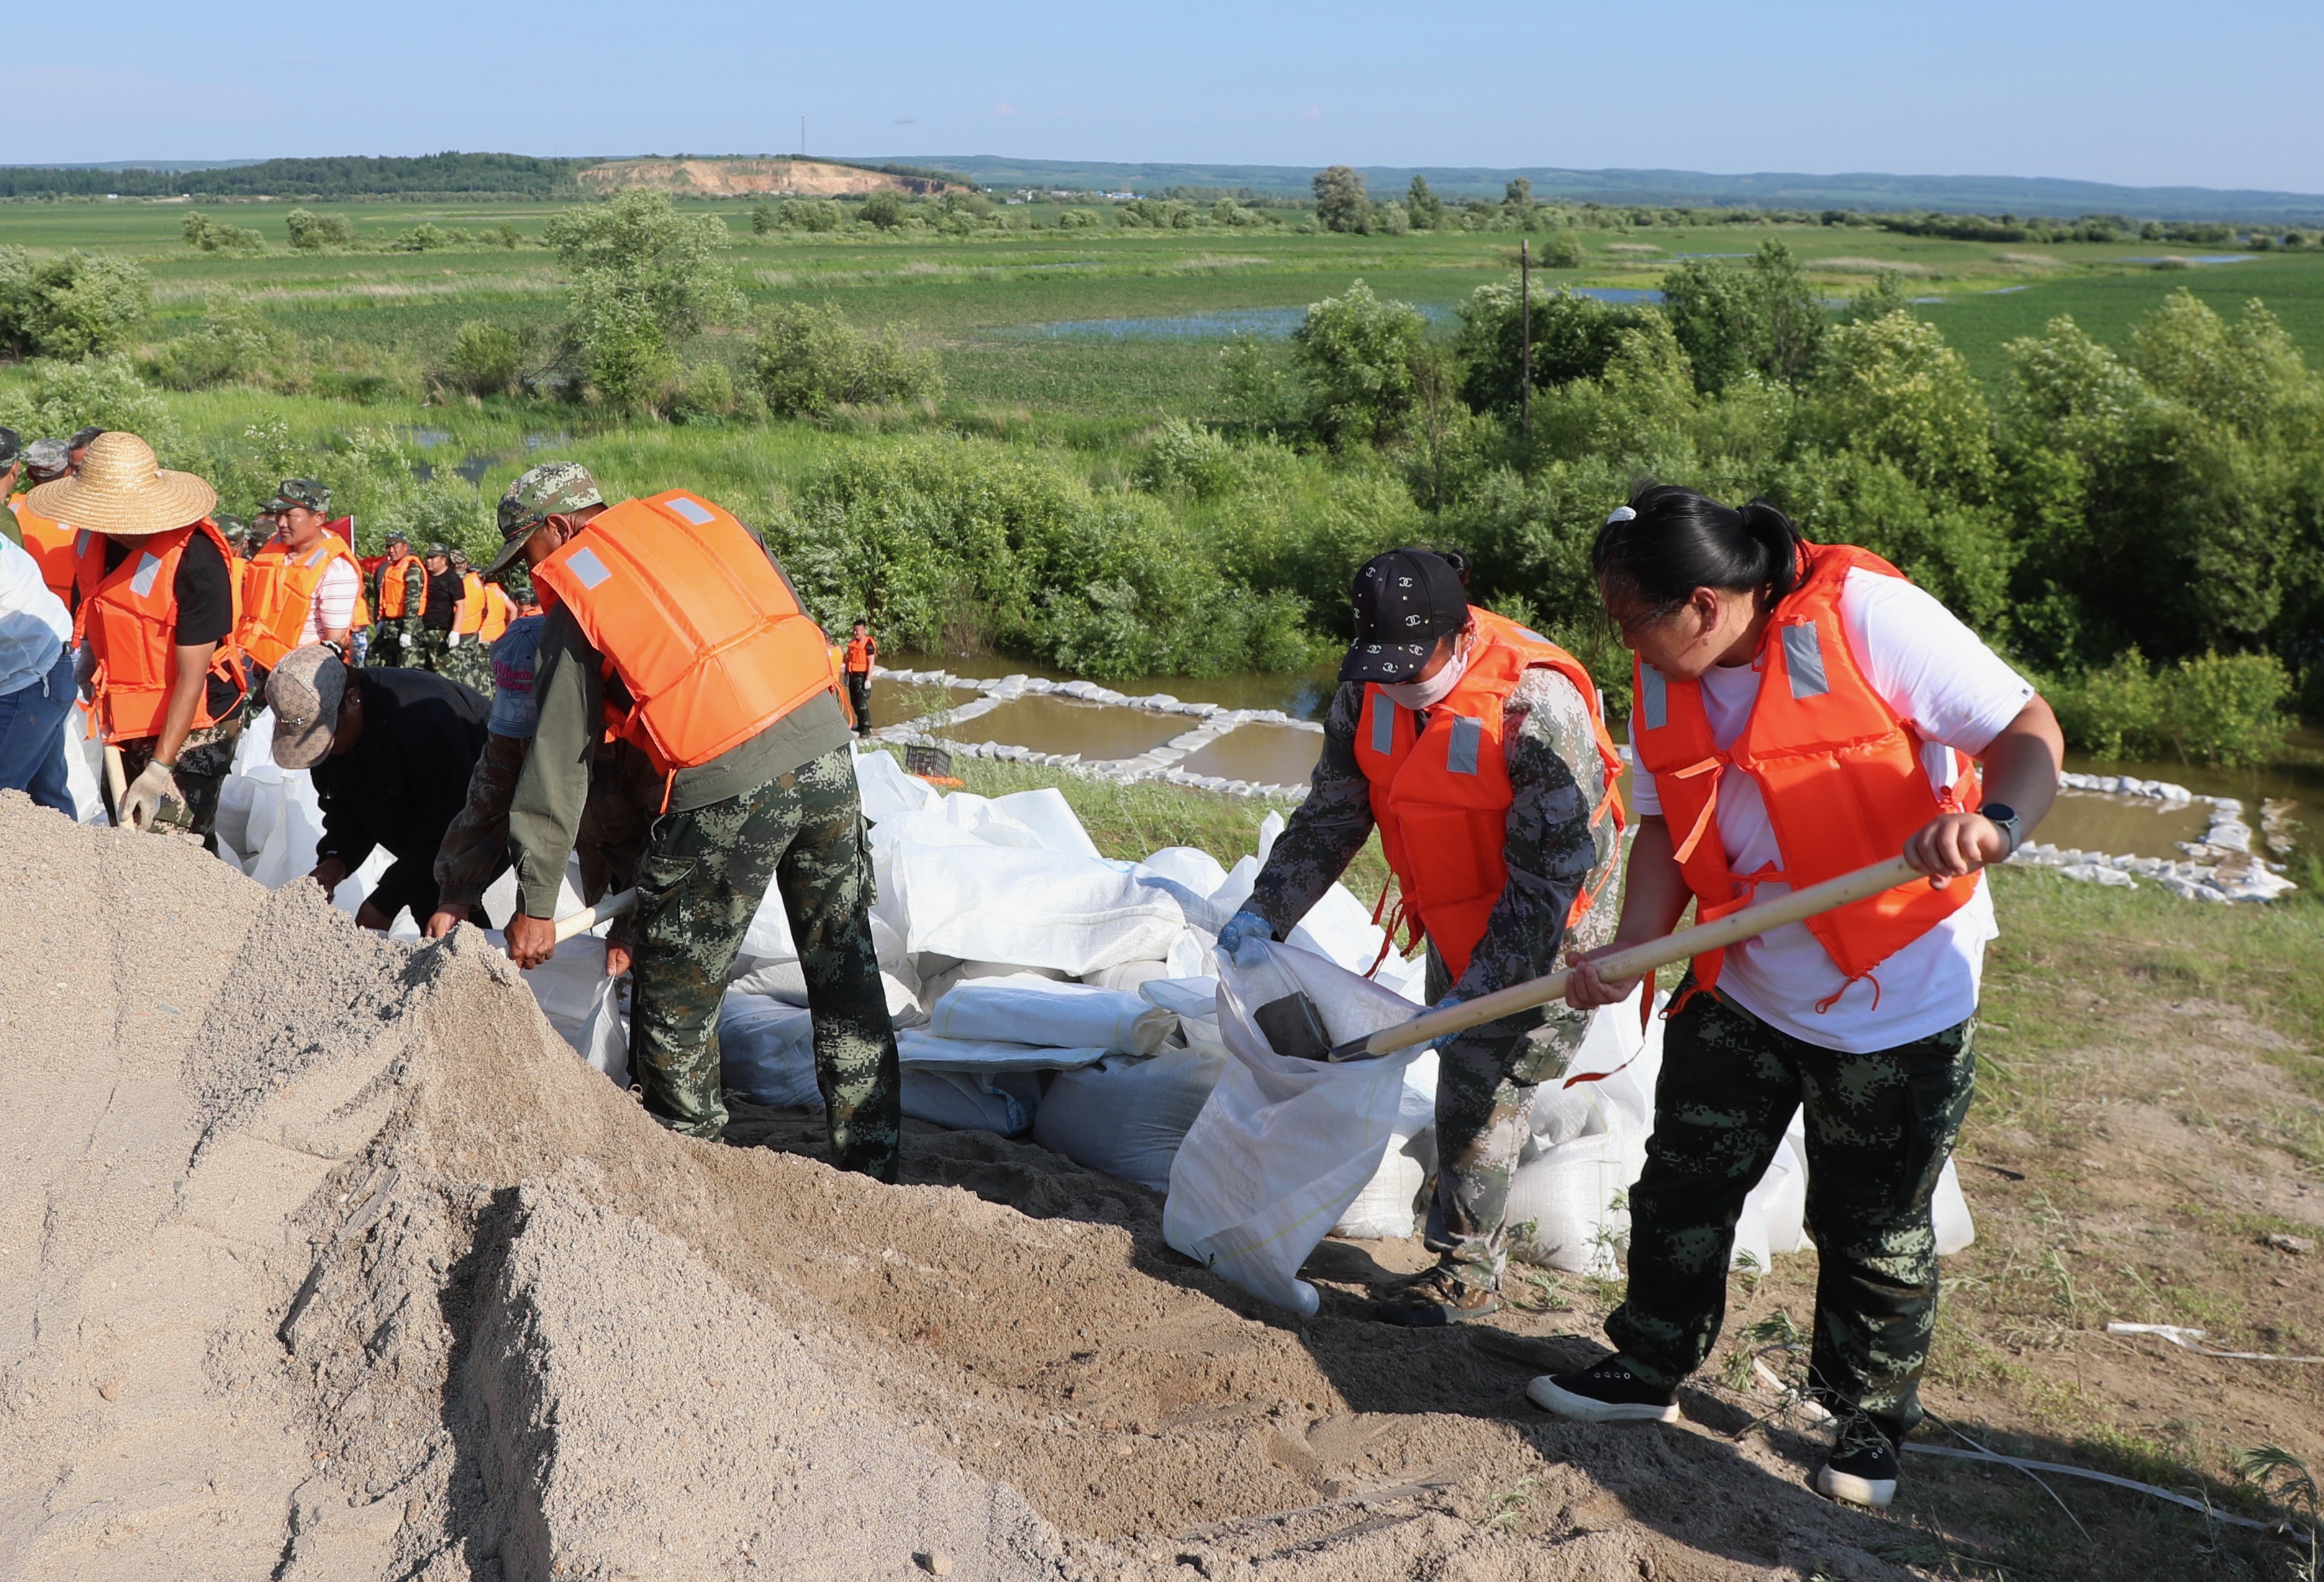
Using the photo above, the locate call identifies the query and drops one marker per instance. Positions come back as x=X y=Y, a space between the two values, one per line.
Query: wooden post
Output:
x=1525 y=316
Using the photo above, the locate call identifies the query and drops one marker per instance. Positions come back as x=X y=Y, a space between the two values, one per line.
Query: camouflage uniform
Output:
x=701 y=878
x=1880 y=1128
x=470 y=663
x=1486 y=1075
x=391 y=638
x=203 y=765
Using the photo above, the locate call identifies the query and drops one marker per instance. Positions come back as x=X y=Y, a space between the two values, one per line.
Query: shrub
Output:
x=705 y=394
x=214 y=237
x=485 y=359
x=809 y=360
x=810 y=214
x=1186 y=458
x=2224 y=710
x=1356 y=352
x=78 y=305
x=884 y=209
x=427 y=236
x=103 y=391
x=644 y=277
x=1340 y=203
x=1574 y=336
x=312 y=233
x=1562 y=251
x=235 y=345
x=762 y=218
x=1079 y=219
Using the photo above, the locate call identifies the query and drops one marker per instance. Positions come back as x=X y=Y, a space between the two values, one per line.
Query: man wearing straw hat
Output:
x=157 y=611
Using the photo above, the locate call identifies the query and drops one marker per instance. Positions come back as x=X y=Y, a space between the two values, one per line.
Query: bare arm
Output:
x=2021 y=771
x=186 y=689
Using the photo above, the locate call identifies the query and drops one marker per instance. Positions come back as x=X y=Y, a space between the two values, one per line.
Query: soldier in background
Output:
x=76 y=448
x=399 y=597
x=431 y=639
x=467 y=660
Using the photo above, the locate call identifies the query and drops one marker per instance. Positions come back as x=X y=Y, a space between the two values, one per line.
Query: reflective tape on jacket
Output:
x=1844 y=780
x=279 y=591
x=1441 y=794
x=702 y=631
x=129 y=619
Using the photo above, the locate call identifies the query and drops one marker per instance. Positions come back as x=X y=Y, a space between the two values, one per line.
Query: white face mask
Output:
x=1419 y=695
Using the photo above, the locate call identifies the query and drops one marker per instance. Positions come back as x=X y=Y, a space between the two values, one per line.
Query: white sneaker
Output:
x=1607 y=1393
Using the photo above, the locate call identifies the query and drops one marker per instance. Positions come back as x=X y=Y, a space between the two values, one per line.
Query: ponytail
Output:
x=1669 y=541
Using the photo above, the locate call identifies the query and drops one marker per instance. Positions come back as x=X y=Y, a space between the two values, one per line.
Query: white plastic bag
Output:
x=766 y=1050
x=1955 y=1229
x=1388 y=1206
x=1572 y=1202
x=1126 y=1117
x=915 y=1046
x=1038 y=1011
x=604 y=1041
x=1195 y=1001
x=1284 y=1144
x=1006 y=1102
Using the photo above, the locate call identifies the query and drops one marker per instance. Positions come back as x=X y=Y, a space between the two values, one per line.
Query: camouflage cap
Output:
x=11 y=444
x=436 y=549
x=459 y=556
x=396 y=535
x=83 y=437
x=45 y=460
x=552 y=488
x=301 y=492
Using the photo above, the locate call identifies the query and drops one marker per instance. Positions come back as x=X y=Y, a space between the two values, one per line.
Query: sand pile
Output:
x=325 y=1258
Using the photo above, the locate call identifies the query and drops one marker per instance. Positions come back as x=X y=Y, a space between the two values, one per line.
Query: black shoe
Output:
x=1862 y=1470
x=1608 y=1392
x=1433 y=1300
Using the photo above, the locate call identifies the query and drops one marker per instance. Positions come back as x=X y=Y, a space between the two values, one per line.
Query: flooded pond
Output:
x=1065 y=725
x=894 y=702
x=1267 y=754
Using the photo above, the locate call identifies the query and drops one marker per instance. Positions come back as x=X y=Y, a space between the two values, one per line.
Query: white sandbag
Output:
x=766 y=1050
x=604 y=1041
x=1125 y=1116
x=1751 y=1249
x=564 y=986
x=776 y=980
x=1284 y=1144
x=885 y=790
x=1190 y=866
x=768 y=936
x=1572 y=1202
x=1195 y=1001
x=1192 y=954
x=1127 y=977
x=915 y=1046
x=1006 y=1102
x=1955 y=1229
x=935 y=985
x=232 y=825
x=83 y=759
x=1339 y=928
x=1022 y=904
x=1235 y=889
x=1781 y=1194
x=1025 y=1009
x=1387 y=1207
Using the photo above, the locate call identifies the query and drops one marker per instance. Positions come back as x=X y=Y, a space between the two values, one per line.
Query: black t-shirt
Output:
x=404 y=783
x=444 y=590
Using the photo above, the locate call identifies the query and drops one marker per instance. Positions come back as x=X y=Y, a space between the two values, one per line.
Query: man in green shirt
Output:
x=781 y=808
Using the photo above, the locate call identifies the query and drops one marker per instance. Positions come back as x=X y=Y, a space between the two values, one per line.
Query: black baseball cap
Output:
x=1406 y=601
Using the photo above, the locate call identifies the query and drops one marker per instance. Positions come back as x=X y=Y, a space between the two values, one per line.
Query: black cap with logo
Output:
x=1405 y=601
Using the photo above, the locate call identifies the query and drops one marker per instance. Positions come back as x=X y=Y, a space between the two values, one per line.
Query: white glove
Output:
x=143 y=802
x=452 y=640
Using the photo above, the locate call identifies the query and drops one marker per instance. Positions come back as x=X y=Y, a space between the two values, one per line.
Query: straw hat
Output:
x=123 y=491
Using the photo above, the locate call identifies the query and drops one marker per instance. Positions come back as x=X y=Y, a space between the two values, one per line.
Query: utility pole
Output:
x=1525 y=316
x=802 y=137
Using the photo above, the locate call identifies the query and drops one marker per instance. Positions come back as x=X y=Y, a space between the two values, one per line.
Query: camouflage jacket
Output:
x=1552 y=852
x=623 y=792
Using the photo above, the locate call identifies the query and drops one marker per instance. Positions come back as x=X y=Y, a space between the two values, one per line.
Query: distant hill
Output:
x=2025 y=195
x=751 y=177
x=428 y=176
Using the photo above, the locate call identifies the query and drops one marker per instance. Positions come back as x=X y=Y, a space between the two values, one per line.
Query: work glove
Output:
x=140 y=806
x=1244 y=928
x=1443 y=1042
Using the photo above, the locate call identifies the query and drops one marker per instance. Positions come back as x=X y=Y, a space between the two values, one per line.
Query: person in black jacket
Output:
x=390 y=751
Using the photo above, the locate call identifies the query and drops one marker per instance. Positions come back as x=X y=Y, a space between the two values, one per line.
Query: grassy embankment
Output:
x=2148 y=1113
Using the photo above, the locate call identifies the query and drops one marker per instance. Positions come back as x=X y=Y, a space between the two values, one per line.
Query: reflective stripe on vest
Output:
x=1441 y=795
x=694 y=618
x=279 y=594
x=1845 y=780
x=129 y=619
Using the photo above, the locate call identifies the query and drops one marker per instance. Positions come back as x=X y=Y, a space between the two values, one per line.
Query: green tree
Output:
x=1574 y=336
x=809 y=361
x=1563 y=251
x=200 y=230
x=1079 y=219
x=485 y=359
x=313 y=233
x=643 y=278
x=1765 y=317
x=762 y=218
x=810 y=214
x=1427 y=209
x=1516 y=201
x=1340 y=203
x=76 y=305
x=235 y=344
x=884 y=209
x=1356 y=352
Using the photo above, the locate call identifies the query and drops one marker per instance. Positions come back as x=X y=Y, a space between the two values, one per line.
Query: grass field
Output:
x=980 y=300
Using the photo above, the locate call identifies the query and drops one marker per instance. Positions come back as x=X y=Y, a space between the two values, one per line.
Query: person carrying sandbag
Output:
x=671 y=626
x=1475 y=747
x=156 y=607
x=1803 y=710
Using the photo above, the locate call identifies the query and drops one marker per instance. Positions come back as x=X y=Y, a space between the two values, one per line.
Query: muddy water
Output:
x=2121 y=826
x=1268 y=754
x=893 y=702
x=1064 y=725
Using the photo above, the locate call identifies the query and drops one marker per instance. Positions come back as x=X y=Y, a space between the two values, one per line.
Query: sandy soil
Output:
x=335 y=1263
x=749 y=179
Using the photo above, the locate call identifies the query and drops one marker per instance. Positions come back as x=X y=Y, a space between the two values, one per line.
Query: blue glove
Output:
x=1443 y=1042
x=1242 y=928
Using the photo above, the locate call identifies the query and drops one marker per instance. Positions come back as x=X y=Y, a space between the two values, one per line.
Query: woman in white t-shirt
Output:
x=1801 y=711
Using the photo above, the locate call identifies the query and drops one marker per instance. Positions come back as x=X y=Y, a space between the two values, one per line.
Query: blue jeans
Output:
x=32 y=737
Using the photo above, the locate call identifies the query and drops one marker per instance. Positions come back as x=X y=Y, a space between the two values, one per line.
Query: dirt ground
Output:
x=749 y=179
x=335 y=1263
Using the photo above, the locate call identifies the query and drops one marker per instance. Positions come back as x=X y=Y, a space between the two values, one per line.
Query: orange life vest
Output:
x=129 y=618
x=860 y=650
x=468 y=614
x=50 y=544
x=1441 y=795
x=695 y=622
x=1843 y=777
x=498 y=609
x=279 y=590
x=391 y=576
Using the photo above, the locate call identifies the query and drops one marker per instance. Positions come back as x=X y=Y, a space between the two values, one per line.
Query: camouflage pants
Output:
x=700 y=881
x=859 y=699
x=424 y=648
x=1879 y=1127
x=387 y=641
x=203 y=765
x=470 y=663
x=1485 y=1082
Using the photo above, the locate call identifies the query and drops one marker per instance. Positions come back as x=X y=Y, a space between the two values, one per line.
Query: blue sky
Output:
x=2223 y=95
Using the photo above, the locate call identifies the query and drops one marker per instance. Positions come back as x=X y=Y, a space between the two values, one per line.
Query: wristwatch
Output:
x=2004 y=816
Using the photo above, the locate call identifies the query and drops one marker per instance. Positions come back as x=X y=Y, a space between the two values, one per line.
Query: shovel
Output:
x=589 y=917
x=1639 y=959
